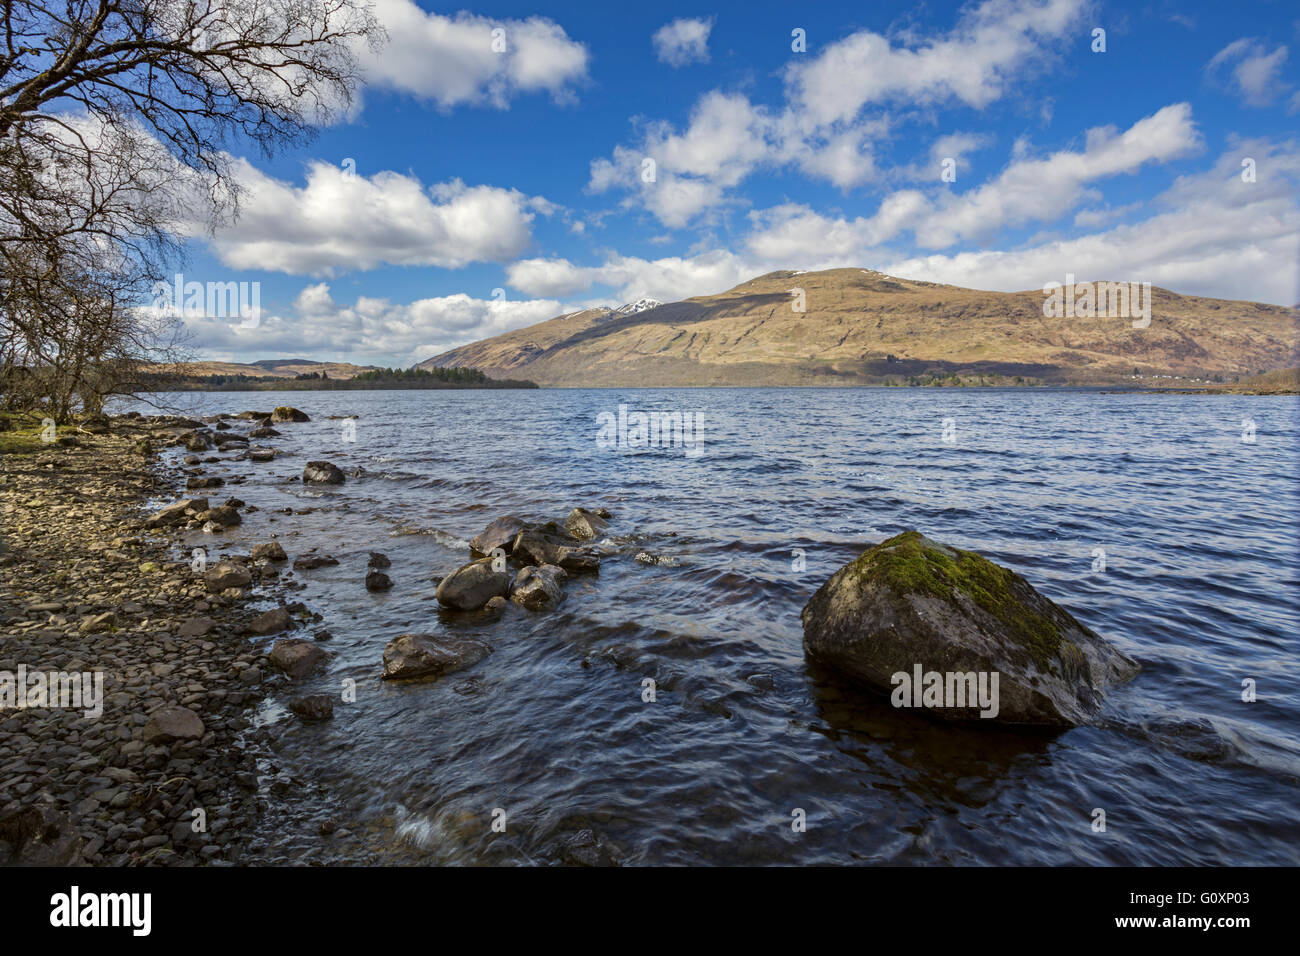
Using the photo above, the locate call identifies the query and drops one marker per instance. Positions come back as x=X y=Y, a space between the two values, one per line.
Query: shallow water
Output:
x=1200 y=585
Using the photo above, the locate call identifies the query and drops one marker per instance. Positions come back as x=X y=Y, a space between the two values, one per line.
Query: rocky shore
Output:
x=168 y=773
x=99 y=580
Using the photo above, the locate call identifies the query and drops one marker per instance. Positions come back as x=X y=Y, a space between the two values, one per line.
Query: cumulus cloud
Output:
x=822 y=127
x=667 y=279
x=342 y=220
x=683 y=41
x=1250 y=69
x=1208 y=234
x=1027 y=191
x=370 y=331
x=972 y=64
x=468 y=59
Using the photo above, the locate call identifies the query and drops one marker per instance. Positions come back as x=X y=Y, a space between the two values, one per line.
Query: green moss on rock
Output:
x=910 y=563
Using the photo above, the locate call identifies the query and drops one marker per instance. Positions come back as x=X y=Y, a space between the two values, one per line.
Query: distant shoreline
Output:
x=291 y=385
x=331 y=385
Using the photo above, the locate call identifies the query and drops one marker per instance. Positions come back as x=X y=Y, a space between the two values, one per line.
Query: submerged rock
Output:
x=470 y=586
x=378 y=581
x=585 y=848
x=313 y=707
x=322 y=473
x=412 y=656
x=910 y=608
x=645 y=557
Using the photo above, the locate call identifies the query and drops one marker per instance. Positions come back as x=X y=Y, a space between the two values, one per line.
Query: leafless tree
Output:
x=117 y=118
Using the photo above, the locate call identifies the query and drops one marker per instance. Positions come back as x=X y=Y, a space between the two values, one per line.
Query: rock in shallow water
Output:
x=412 y=656
x=313 y=707
x=499 y=534
x=270 y=551
x=913 y=607
x=296 y=657
x=538 y=588
x=322 y=473
x=287 y=413
x=470 y=586
x=584 y=525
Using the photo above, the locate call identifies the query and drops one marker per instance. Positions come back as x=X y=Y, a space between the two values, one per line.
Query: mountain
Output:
x=865 y=327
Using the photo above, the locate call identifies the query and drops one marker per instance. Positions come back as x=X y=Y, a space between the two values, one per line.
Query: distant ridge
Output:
x=865 y=327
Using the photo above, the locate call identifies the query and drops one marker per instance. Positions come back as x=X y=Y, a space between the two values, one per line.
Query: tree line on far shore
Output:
x=120 y=128
x=381 y=378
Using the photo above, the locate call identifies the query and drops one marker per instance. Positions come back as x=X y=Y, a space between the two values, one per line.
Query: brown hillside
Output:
x=865 y=327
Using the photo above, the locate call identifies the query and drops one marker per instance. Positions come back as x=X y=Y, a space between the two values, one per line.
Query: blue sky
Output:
x=472 y=191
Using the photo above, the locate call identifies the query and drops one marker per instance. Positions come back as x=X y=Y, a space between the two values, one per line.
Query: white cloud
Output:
x=1027 y=191
x=341 y=220
x=1209 y=234
x=1215 y=236
x=683 y=41
x=549 y=277
x=819 y=129
x=370 y=331
x=1249 y=69
x=668 y=279
x=457 y=60
x=973 y=64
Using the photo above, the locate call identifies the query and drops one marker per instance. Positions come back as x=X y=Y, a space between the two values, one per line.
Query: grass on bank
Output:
x=21 y=436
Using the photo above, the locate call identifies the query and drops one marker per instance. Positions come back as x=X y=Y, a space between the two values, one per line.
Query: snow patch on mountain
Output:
x=640 y=305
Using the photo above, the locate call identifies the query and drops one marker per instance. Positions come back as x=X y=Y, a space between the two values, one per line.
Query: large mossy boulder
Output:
x=914 y=607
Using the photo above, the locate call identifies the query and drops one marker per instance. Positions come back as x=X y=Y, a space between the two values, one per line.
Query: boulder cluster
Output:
x=512 y=561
